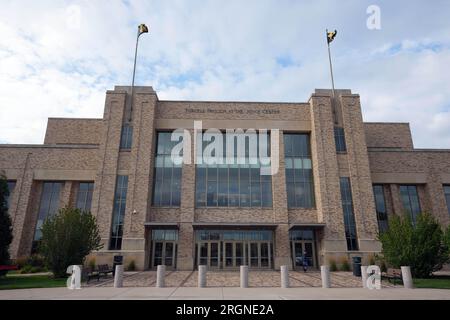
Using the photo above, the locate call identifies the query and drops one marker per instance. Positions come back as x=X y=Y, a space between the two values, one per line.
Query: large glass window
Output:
x=299 y=176
x=410 y=200
x=120 y=203
x=349 y=216
x=126 y=138
x=84 y=196
x=233 y=185
x=167 y=175
x=339 y=138
x=49 y=205
x=11 y=187
x=380 y=205
x=447 y=197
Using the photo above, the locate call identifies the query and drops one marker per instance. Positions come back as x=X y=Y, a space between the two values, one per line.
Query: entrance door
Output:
x=303 y=251
x=259 y=255
x=233 y=254
x=209 y=254
x=164 y=253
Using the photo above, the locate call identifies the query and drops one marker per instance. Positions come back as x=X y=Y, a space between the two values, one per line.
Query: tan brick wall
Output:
x=388 y=135
x=73 y=131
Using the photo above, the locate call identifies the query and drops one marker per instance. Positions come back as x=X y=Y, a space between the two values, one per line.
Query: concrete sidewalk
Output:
x=227 y=293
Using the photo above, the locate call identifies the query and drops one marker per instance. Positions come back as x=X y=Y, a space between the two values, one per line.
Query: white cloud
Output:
x=53 y=63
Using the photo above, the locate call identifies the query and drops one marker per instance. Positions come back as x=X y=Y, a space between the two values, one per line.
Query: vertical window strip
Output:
x=447 y=197
x=339 y=138
x=84 y=196
x=48 y=205
x=167 y=175
x=380 y=205
x=126 y=138
x=410 y=200
x=298 y=170
x=11 y=187
x=349 y=216
x=120 y=198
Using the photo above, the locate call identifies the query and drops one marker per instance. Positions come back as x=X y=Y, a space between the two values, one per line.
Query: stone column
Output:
x=201 y=276
x=407 y=278
x=284 y=277
x=160 y=276
x=364 y=276
x=185 y=258
x=19 y=212
x=325 y=275
x=66 y=194
x=244 y=276
x=280 y=210
x=118 y=277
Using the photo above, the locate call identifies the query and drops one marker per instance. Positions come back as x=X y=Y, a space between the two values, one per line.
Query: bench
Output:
x=393 y=274
x=104 y=269
x=88 y=273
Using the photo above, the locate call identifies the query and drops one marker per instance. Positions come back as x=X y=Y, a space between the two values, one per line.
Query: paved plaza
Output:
x=224 y=293
x=222 y=285
x=257 y=279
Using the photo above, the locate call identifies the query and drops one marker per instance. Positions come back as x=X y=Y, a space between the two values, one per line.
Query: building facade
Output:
x=339 y=179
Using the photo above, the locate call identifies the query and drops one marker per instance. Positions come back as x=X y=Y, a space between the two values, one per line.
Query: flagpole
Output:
x=134 y=74
x=333 y=104
x=331 y=69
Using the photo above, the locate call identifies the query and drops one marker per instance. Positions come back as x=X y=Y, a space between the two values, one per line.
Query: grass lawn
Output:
x=26 y=282
x=434 y=282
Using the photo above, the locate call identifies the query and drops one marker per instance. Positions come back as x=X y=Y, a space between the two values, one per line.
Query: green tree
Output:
x=422 y=247
x=5 y=223
x=67 y=238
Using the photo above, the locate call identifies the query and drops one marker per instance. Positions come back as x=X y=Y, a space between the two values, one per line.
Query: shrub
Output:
x=345 y=265
x=21 y=262
x=372 y=260
x=26 y=269
x=383 y=267
x=131 y=266
x=333 y=265
x=91 y=263
x=67 y=238
x=36 y=260
x=5 y=224
x=422 y=247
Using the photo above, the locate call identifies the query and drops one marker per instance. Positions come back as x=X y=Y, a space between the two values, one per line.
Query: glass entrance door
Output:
x=233 y=254
x=259 y=255
x=164 y=253
x=303 y=251
x=209 y=254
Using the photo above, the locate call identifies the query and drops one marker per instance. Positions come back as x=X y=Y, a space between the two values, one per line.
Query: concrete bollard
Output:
x=284 y=277
x=201 y=276
x=407 y=277
x=364 y=276
x=160 y=275
x=244 y=276
x=118 y=276
x=326 y=278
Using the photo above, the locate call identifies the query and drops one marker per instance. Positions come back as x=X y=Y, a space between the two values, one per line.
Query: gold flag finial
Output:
x=331 y=35
x=143 y=29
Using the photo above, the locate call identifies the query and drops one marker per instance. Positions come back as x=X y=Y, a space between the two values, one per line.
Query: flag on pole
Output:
x=331 y=35
x=143 y=29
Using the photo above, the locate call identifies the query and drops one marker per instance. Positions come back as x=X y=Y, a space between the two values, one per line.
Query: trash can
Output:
x=356 y=266
x=118 y=260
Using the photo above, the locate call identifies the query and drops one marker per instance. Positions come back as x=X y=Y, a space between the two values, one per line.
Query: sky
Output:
x=58 y=58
